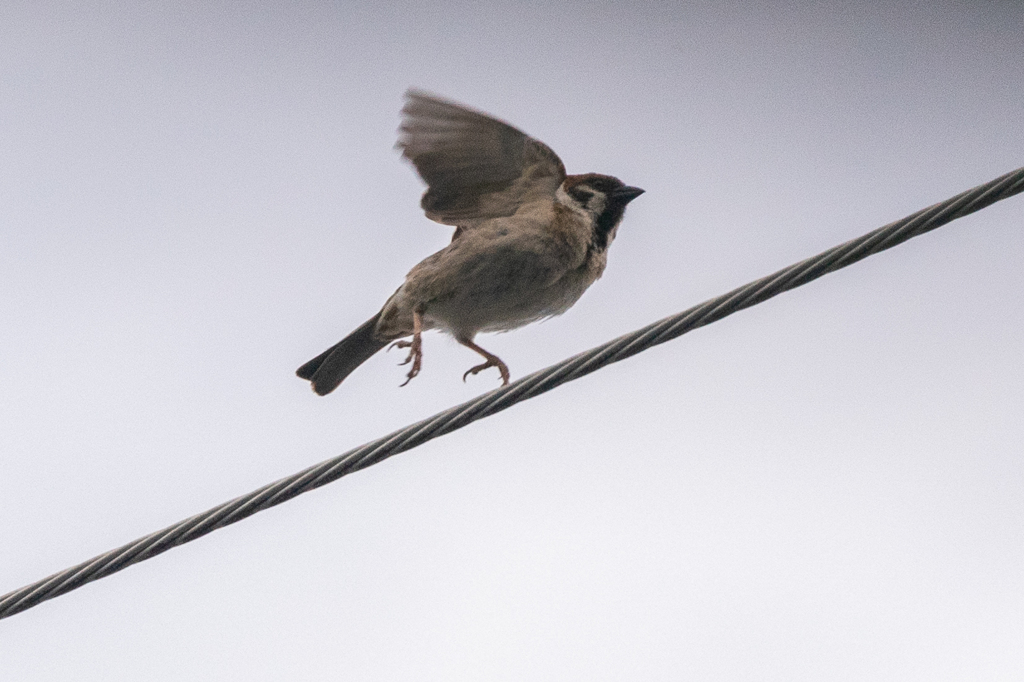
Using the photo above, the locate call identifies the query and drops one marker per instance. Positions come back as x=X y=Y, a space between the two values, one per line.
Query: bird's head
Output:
x=602 y=198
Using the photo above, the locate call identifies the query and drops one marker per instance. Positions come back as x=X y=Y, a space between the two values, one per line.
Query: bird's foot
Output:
x=415 y=356
x=415 y=348
x=492 y=361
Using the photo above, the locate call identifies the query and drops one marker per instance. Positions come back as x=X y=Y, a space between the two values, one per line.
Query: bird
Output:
x=529 y=239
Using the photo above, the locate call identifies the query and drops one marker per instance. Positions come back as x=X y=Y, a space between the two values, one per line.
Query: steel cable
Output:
x=539 y=382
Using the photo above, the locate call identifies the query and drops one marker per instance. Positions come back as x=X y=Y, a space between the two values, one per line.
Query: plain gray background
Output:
x=197 y=197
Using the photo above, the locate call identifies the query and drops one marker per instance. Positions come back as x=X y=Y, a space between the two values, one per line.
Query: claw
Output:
x=399 y=344
x=415 y=348
x=492 y=361
x=487 y=365
x=415 y=357
x=413 y=371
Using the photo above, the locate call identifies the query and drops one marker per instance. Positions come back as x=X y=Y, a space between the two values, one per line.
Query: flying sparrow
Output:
x=528 y=240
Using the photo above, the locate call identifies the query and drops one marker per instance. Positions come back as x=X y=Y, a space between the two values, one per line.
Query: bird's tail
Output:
x=330 y=368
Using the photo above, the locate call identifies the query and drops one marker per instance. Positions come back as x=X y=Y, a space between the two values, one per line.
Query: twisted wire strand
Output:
x=495 y=401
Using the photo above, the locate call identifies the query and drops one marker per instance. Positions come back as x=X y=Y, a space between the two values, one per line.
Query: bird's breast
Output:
x=502 y=275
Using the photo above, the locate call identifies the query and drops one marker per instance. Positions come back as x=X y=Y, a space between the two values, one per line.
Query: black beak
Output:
x=624 y=195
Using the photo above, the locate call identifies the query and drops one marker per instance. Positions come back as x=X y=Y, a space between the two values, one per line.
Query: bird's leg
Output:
x=492 y=361
x=415 y=347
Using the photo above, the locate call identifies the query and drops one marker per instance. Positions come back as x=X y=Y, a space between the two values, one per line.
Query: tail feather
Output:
x=330 y=368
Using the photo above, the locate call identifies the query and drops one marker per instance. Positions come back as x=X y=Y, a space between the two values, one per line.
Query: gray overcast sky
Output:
x=196 y=197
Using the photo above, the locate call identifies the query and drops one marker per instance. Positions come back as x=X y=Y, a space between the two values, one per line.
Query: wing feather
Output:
x=475 y=166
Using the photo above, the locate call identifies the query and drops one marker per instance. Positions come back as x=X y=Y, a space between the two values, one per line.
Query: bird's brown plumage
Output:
x=475 y=166
x=529 y=239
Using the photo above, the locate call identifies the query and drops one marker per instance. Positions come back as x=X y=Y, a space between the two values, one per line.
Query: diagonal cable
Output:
x=539 y=382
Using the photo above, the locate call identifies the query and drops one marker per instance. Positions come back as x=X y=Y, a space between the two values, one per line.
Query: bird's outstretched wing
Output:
x=475 y=166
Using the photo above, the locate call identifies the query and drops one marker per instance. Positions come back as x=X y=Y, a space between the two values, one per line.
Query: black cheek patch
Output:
x=606 y=222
